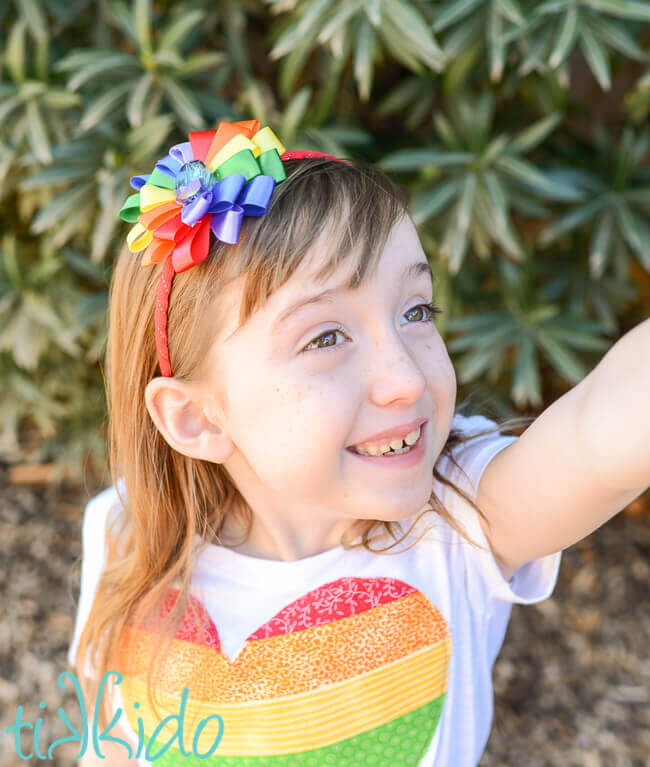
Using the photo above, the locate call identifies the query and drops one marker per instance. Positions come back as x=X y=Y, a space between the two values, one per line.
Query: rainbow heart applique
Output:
x=352 y=673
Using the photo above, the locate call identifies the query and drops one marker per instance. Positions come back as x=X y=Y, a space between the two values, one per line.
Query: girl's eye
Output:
x=430 y=308
x=331 y=334
x=327 y=334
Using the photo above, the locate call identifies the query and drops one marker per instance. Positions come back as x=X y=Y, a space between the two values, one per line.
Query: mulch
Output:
x=572 y=681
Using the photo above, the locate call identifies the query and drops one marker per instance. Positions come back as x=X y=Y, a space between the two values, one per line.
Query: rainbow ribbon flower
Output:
x=208 y=183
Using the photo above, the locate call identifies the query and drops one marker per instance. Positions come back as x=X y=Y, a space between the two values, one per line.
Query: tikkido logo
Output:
x=103 y=736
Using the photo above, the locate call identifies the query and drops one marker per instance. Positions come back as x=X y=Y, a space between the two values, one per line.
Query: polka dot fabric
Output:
x=352 y=673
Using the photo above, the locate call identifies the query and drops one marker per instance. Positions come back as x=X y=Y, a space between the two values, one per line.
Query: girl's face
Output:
x=297 y=385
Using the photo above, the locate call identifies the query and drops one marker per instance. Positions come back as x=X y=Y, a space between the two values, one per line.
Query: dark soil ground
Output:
x=572 y=682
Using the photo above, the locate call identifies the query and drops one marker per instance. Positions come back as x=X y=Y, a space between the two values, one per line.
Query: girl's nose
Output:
x=394 y=373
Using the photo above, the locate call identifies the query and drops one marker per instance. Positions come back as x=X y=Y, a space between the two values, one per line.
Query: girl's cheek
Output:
x=441 y=373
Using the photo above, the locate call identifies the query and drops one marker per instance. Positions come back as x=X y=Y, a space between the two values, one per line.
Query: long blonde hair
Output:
x=171 y=497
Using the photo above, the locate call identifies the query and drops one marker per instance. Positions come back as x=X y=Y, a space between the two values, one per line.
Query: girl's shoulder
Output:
x=481 y=441
x=106 y=506
x=102 y=514
x=473 y=426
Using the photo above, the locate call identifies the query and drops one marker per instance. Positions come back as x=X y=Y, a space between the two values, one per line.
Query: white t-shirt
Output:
x=344 y=657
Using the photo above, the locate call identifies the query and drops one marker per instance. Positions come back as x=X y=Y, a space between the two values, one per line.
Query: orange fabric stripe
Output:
x=152 y=219
x=157 y=251
x=292 y=663
x=226 y=131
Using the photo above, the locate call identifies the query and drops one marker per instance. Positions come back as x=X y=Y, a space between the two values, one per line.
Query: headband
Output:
x=207 y=184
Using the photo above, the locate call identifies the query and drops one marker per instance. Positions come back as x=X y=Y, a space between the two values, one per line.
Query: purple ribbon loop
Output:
x=230 y=204
x=226 y=192
x=257 y=194
x=197 y=208
x=226 y=226
x=137 y=182
x=182 y=152
x=169 y=165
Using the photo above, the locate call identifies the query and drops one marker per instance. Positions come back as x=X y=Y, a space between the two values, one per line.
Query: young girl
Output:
x=308 y=555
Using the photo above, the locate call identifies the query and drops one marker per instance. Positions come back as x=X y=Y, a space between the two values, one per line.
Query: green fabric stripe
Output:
x=158 y=178
x=401 y=741
x=242 y=162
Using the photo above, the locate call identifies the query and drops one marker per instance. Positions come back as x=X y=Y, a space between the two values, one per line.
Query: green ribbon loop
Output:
x=271 y=165
x=242 y=162
x=131 y=208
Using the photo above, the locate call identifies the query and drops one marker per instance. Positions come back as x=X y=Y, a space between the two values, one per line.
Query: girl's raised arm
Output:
x=579 y=463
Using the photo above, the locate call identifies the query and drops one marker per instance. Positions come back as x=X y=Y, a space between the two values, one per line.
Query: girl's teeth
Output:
x=412 y=438
x=395 y=445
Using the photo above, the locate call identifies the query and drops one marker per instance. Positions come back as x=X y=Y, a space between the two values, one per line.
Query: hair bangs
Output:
x=334 y=212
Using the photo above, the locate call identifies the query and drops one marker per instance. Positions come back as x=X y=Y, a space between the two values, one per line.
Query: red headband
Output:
x=168 y=271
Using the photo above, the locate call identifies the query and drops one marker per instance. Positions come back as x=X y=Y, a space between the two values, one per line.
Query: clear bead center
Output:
x=192 y=180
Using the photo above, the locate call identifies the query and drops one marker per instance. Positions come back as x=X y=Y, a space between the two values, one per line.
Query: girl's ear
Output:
x=176 y=408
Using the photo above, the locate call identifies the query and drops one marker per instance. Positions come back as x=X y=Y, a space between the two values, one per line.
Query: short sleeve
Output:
x=93 y=560
x=535 y=580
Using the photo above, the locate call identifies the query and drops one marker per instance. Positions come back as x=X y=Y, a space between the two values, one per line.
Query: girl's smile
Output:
x=404 y=458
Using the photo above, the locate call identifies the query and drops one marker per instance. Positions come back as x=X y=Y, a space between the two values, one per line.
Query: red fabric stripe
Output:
x=200 y=141
x=339 y=599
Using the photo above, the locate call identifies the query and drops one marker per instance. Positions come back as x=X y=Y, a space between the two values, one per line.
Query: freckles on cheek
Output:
x=304 y=409
x=440 y=369
x=285 y=401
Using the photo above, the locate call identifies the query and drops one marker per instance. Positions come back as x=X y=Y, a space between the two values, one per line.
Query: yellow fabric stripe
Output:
x=236 y=144
x=138 y=238
x=266 y=139
x=306 y=720
x=151 y=196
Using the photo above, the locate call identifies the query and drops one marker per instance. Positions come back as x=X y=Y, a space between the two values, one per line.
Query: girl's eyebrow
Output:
x=412 y=271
